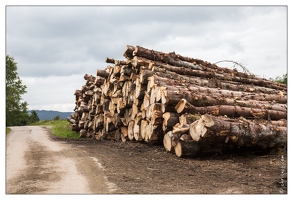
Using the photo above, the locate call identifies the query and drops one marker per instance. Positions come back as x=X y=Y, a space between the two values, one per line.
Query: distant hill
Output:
x=50 y=114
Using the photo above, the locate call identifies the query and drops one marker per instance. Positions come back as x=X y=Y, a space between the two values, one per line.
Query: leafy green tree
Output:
x=34 y=117
x=57 y=117
x=282 y=79
x=16 y=109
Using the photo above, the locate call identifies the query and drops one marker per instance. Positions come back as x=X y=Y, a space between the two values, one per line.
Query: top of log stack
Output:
x=200 y=68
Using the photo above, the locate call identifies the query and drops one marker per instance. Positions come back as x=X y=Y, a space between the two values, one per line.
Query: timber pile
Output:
x=189 y=105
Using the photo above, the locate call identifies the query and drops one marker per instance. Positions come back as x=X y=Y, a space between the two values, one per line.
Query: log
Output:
x=99 y=135
x=207 y=66
x=110 y=60
x=82 y=133
x=212 y=96
x=69 y=119
x=130 y=130
x=102 y=73
x=113 y=135
x=124 y=133
x=122 y=63
x=163 y=57
x=167 y=142
x=154 y=111
x=90 y=134
x=170 y=120
x=128 y=53
x=243 y=133
x=210 y=83
x=136 y=128
x=187 y=149
x=143 y=129
x=232 y=111
x=156 y=136
x=171 y=138
x=224 y=77
x=140 y=62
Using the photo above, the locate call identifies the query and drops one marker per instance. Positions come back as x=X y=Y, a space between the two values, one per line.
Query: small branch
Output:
x=236 y=63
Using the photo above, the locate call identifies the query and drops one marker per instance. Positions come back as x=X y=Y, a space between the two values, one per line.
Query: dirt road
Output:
x=38 y=162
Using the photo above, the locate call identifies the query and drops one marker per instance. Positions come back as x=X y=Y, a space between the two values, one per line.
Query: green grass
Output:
x=8 y=130
x=60 y=128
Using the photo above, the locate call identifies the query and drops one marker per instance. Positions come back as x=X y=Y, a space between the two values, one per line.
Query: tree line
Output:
x=16 y=108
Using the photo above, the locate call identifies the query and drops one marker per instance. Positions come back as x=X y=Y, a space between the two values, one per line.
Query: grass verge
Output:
x=8 y=130
x=60 y=128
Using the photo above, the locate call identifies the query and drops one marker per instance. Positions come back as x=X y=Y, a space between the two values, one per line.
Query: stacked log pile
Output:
x=189 y=105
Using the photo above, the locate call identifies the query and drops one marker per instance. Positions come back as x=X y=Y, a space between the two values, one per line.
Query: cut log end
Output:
x=187 y=149
x=167 y=141
x=180 y=106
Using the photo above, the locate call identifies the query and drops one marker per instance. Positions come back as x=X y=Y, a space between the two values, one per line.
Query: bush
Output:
x=57 y=117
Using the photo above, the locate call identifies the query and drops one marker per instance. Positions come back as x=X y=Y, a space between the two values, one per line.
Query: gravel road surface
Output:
x=37 y=164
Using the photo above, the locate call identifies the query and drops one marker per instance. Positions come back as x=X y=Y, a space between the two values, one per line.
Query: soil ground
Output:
x=141 y=168
x=138 y=168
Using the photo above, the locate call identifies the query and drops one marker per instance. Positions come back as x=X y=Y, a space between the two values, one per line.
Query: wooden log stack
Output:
x=188 y=105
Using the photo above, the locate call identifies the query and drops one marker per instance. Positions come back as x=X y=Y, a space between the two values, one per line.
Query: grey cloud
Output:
x=61 y=41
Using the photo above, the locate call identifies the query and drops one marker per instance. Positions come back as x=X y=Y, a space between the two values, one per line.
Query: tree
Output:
x=16 y=109
x=282 y=79
x=57 y=117
x=34 y=117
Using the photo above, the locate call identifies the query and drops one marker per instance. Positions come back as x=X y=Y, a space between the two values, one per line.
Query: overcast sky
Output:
x=55 y=46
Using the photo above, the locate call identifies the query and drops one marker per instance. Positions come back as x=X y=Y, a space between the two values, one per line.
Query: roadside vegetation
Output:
x=7 y=130
x=60 y=127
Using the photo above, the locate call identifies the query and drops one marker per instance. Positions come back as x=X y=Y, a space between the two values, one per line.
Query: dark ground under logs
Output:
x=140 y=168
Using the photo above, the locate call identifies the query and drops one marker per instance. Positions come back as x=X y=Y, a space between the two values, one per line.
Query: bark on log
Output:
x=211 y=83
x=224 y=77
x=128 y=53
x=102 y=73
x=243 y=133
x=163 y=57
x=231 y=111
x=216 y=96
x=170 y=120
x=72 y=121
x=187 y=149
x=110 y=60
x=171 y=138
x=82 y=133
x=213 y=72
x=124 y=133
